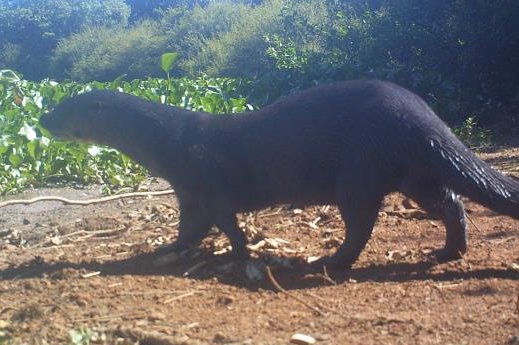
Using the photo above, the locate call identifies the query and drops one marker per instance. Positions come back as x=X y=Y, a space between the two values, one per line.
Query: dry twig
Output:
x=472 y=222
x=84 y=202
x=517 y=304
x=91 y=274
x=282 y=290
x=176 y=298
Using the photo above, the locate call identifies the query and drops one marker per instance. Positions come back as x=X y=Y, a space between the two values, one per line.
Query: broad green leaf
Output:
x=167 y=60
x=28 y=154
x=15 y=159
x=32 y=146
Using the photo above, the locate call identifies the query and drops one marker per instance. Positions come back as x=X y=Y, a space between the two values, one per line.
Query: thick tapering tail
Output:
x=468 y=175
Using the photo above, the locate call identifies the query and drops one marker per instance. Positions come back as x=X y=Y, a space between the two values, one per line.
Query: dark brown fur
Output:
x=348 y=143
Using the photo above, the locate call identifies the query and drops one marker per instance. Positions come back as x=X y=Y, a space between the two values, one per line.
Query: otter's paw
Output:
x=174 y=253
x=445 y=255
x=171 y=258
x=331 y=263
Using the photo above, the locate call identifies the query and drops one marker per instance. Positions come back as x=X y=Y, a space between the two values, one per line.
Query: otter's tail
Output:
x=468 y=175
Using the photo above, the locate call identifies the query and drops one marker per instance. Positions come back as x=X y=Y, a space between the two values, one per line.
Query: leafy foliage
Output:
x=470 y=133
x=240 y=51
x=106 y=53
x=30 y=156
x=33 y=28
x=167 y=60
x=460 y=55
x=189 y=31
x=81 y=336
x=146 y=9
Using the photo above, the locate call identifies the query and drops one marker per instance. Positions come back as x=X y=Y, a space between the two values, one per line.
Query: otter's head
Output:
x=82 y=118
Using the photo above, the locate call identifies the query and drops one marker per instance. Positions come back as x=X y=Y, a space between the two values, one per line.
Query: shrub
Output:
x=36 y=26
x=238 y=49
x=459 y=55
x=154 y=8
x=106 y=53
x=10 y=54
x=189 y=31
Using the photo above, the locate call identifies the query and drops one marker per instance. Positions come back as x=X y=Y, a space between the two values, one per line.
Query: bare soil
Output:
x=69 y=269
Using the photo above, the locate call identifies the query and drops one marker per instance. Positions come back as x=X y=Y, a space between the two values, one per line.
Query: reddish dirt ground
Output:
x=72 y=268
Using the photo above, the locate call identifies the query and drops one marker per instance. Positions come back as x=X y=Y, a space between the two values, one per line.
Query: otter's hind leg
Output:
x=442 y=201
x=228 y=225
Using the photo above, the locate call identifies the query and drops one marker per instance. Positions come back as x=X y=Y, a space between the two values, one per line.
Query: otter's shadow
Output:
x=301 y=276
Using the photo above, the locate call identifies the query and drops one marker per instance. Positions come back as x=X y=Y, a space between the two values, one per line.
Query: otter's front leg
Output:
x=194 y=226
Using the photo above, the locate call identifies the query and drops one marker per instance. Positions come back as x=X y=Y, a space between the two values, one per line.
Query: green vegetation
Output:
x=103 y=54
x=461 y=56
x=471 y=134
x=81 y=336
x=30 y=30
x=30 y=156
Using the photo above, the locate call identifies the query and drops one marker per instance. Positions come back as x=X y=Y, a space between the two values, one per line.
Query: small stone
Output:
x=156 y=316
x=224 y=300
x=220 y=338
x=302 y=339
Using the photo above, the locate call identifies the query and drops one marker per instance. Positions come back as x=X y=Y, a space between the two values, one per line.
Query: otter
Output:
x=348 y=143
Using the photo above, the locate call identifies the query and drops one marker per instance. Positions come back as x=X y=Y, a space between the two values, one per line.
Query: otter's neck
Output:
x=151 y=137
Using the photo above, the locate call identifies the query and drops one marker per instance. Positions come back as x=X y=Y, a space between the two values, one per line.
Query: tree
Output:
x=33 y=28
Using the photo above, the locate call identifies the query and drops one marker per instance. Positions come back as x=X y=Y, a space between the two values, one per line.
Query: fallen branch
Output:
x=176 y=298
x=101 y=318
x=473 y=223
x=282 y=290
x=84 y=202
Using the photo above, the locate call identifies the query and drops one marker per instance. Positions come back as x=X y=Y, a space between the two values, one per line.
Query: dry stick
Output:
x=176 y=298
x=327 y=277
x=84 y=202
x=89 y=234
x=151 y=293
x=472 y=222
x=282 y=290
x=330 y=310
x=110 y=317
x=517 y=304
x=278 y=211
